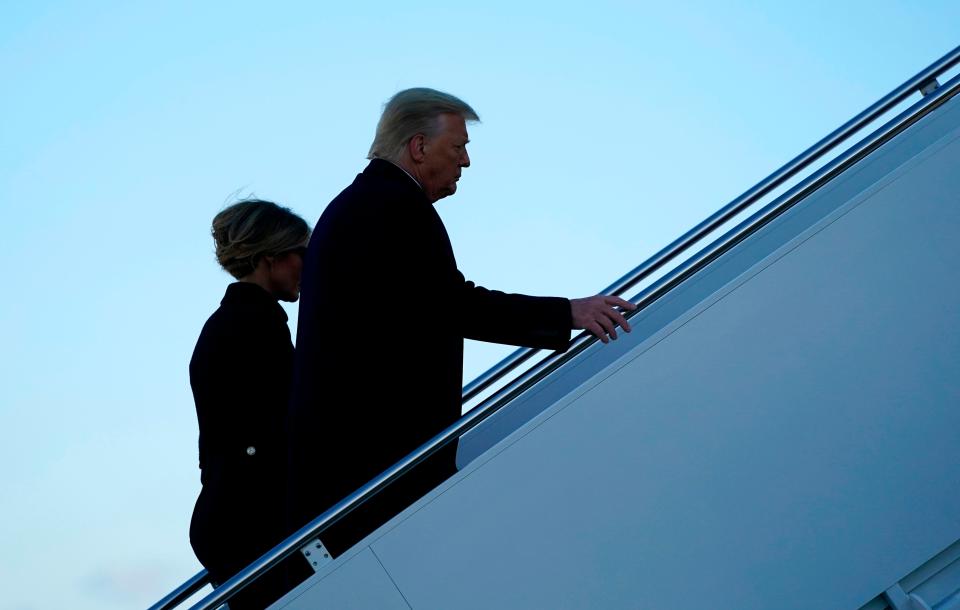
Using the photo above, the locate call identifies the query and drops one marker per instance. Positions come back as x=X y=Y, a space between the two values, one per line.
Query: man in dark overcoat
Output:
x=373 y=384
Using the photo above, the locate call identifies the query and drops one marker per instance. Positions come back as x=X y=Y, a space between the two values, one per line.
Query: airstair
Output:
x=781 y=430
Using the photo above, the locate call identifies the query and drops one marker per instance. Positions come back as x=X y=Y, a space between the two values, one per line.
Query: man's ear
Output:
x=417 y=147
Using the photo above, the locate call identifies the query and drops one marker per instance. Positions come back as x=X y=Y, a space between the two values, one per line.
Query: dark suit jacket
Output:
x=379 y=364
x=240 y=375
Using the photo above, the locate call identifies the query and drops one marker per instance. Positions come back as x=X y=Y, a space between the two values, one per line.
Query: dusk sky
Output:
x=608 y=129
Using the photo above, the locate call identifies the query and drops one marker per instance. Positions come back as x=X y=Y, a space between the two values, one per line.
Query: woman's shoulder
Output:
x=237 y=336
x=247 y=316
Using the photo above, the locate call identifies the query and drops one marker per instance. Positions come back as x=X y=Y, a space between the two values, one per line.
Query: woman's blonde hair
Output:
x=250 y=229
x=410 y=112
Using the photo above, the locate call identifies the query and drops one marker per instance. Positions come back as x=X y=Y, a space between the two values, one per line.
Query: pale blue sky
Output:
x=608 y=129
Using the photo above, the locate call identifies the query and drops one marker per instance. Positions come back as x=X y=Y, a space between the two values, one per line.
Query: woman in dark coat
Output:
x=240 y=375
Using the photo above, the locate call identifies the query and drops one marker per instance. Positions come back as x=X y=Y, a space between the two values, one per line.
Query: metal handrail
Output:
x=504 y=395
x=183 y=592
x=748 y=198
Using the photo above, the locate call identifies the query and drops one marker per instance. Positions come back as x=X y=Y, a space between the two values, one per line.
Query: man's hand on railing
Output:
x=599 y=315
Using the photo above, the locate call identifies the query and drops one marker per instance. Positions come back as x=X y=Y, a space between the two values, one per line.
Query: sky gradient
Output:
x=607 y=131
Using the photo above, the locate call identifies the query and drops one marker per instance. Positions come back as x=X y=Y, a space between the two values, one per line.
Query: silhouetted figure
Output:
x=383 y=317
x=240 y=375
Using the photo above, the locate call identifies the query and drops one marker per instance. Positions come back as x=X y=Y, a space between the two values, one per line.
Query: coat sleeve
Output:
x=514 y=319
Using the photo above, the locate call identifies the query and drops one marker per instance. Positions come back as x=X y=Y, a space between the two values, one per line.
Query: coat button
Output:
x=251 y=450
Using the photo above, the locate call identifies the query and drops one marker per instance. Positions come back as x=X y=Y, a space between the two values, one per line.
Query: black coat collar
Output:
x=383 y=170
x=250 y=294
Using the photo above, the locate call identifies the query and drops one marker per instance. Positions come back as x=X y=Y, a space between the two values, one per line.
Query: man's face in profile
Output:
x=445 y=154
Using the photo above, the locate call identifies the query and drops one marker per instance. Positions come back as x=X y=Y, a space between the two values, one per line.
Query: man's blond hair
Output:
x=411 y=112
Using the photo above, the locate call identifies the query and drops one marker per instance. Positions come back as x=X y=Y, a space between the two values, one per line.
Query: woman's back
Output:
x=240 y=374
